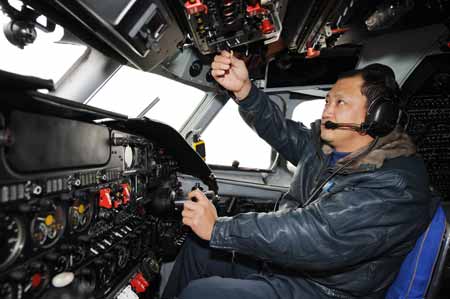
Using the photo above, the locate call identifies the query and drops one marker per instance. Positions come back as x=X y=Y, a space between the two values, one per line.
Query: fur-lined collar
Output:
x=396 y=144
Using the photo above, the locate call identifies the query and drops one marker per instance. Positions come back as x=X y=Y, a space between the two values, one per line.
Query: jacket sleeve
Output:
x=339 y=230
x=287 y=137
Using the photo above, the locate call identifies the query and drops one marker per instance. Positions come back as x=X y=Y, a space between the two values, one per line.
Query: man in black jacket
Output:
x=358 y=201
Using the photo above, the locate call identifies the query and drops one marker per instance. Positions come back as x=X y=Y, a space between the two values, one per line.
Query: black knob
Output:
x=196 y=68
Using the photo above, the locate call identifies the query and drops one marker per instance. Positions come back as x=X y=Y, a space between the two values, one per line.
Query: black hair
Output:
x=379 y=81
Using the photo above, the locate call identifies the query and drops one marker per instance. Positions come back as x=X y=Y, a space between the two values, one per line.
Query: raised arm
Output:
x=289 y=138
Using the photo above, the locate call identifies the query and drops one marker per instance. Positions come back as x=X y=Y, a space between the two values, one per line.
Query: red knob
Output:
x=139 y=283
x=105 y=198
x=266 y=26
x=126 y=193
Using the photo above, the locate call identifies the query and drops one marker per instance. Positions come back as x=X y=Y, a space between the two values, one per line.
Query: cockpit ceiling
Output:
x=145 y=33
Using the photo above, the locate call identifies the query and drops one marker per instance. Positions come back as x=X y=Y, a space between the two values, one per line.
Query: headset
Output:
x=382 y=116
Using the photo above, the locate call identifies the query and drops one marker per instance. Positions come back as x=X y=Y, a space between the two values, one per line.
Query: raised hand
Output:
x=231 y=73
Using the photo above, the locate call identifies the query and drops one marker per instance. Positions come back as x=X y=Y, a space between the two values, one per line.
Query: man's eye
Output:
x=340 y=102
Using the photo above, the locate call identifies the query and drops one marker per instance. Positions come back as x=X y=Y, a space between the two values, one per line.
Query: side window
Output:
x=307 y=112
x=228 y=138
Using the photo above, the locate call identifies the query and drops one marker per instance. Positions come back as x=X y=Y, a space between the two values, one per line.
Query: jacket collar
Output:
x=396 y=144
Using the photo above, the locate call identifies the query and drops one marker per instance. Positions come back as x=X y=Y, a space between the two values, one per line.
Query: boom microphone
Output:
x=333 y=126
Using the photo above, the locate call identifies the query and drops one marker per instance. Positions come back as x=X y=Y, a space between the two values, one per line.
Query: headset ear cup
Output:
x=381 y=117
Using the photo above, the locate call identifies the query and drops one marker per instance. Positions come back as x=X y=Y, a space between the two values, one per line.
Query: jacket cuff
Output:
x=220 y=234
x=251 y=101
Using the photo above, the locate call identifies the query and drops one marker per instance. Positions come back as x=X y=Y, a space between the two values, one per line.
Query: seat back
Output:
x=438 y=273
x=421 y=271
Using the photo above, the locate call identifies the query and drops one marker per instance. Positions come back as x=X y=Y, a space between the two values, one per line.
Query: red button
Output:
x=142 y=279
x=137 y=286
x=139 y=283
x=196 y=7
x=36 y=280
x=105 y=198
x=255 y=10
x=126 y=193
x=266 y=26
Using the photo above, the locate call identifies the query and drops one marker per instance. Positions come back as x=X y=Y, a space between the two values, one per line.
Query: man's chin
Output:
x=326 y=138
x=326 y=135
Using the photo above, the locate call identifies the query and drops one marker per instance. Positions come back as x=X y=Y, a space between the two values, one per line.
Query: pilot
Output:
x=358 y=201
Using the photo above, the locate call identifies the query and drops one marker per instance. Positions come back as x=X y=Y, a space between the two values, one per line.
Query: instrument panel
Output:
x=218 y=25
x=96 y=218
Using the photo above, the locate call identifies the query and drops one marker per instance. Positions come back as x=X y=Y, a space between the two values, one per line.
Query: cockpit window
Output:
x=308 y=111
x=45 y=58
x=137 y=94
x=230 y=139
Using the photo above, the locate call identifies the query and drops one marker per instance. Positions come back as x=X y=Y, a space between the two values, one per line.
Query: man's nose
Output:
x=328 y=111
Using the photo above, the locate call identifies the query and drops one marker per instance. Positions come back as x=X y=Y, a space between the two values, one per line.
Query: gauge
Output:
x=12 y=240
x=48 y=226
x=9 y=290
x=40 y=233
x=128 y=157
x=80 y=214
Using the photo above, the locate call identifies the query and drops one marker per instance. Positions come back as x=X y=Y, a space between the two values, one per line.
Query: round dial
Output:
x=12 y=240
x=80 y=214
x=48 y=226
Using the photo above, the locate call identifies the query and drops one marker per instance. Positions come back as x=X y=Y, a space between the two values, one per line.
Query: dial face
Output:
x=81 y=213
x=12 y=240
x=48 y=226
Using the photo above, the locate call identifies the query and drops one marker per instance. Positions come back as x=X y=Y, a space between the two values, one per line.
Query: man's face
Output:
x=345 y=104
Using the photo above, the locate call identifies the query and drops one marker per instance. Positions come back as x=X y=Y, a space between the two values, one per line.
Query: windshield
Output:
x=44 y=58
x=138 y=94
x=130 y=92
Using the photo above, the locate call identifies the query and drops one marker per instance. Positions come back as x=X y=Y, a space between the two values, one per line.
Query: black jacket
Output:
x=351 y=241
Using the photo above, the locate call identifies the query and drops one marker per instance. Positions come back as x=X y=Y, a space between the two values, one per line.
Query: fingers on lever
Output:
x=231 y=62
